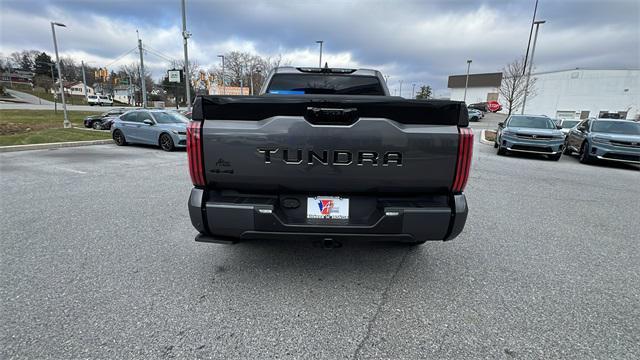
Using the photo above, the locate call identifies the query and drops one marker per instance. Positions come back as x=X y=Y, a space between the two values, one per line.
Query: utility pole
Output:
x=533 y=51
x=66 y=122
x=466 y=82
x=413 y=92
x=186 y=35
x=84 y=82
x=526 y=56
x=401 y=87
x=320 y=62
x=144 y=88
x=251 y=78
x=224 y=86
x=131 y=94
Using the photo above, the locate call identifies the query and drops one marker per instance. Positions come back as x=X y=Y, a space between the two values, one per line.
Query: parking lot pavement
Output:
x=98 y=261
x=489 y=122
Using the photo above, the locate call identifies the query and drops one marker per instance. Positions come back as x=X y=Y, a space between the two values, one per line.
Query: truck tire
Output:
x=166 y=142
x=501 y=150
x=118 y=138
x=555 y=157
x=567 y=150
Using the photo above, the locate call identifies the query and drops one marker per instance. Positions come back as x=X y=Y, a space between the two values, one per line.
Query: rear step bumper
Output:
x=230 y=221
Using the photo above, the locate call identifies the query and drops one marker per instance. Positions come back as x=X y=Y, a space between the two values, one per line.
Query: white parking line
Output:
x=71 y=170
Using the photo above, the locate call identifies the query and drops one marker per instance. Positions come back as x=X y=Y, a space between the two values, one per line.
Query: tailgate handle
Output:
x=331 y=116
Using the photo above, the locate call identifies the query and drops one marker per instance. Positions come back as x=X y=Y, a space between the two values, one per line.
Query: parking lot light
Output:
x=66 y=122
x=533 y=51
x=466 y=82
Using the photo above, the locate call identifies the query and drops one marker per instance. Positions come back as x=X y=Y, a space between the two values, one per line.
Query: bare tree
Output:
x=512 y=88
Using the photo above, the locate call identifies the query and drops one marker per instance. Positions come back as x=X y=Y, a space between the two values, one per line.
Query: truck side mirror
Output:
x=500 y=124
x=148 y=121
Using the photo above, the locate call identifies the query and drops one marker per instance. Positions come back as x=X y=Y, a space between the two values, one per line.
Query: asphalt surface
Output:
x=98 y=261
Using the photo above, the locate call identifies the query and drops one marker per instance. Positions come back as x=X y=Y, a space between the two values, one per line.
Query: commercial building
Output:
x=480 y=88
x=568 y=94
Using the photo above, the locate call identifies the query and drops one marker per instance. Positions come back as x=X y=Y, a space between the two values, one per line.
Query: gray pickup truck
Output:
x=326 y=154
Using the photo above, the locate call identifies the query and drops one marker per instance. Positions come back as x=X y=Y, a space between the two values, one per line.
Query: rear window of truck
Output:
x=298 y=84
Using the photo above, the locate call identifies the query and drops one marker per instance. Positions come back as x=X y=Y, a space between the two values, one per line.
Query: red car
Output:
x=494 y=106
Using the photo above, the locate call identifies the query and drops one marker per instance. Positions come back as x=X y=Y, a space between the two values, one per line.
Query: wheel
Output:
x=118 y=138
x=96 y=125
x=166 y=142
x=585 y=158
x=555 y=157
x=501 y=150
x=566 y=150
x=495 y=144
x=474 y=118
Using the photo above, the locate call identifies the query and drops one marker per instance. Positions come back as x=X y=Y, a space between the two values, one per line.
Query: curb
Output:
x=483 y=139
x=46 y=146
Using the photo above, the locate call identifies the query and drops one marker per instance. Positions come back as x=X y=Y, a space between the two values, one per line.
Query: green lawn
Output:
x=52 y=136
x=19 y=127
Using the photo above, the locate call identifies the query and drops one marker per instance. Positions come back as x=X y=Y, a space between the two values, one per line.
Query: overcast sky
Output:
x=421 y=42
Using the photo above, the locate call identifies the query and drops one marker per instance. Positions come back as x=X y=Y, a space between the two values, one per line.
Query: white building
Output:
x=582 y=93
x=78 y=89
x=576 y=93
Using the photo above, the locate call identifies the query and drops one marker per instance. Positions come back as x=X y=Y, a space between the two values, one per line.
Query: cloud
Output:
x=413 y=41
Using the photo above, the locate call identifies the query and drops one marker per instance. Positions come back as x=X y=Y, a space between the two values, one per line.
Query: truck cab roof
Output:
x=370 y=81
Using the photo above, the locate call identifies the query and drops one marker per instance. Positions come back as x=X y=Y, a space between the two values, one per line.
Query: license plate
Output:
x=327 y=207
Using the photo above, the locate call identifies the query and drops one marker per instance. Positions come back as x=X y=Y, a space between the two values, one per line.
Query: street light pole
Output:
x=526 y=56
x=224 y=86
x=466 y=82
x=66 y=122
x=84 y=83
x=320 y=62
x=413 y=91
x=401 y=87
x=185 y=36
x=533 y=51
x=251 y=78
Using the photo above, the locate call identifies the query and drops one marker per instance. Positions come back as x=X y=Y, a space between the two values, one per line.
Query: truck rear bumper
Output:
x=232 y=218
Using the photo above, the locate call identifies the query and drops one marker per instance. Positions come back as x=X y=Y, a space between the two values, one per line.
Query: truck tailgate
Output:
x=329 y=144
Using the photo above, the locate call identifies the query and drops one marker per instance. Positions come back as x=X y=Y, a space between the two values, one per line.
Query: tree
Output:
x=43 y=81
x=41 y=64
x=246 y=67
x=513 y=86
x=26 y=63
x=424 y=93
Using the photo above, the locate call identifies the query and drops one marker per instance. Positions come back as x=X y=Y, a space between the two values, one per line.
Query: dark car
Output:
x=95 y=121
x=605 y=139
x=530 y=134
x=105 y=123
x=479 y=106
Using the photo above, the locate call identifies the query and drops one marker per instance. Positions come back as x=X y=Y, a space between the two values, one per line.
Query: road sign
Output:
x=174 y=76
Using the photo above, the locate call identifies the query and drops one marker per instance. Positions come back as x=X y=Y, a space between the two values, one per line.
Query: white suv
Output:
x=100 y=100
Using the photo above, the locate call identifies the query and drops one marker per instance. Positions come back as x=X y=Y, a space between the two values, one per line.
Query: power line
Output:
x=159 y=54
x=120 y=57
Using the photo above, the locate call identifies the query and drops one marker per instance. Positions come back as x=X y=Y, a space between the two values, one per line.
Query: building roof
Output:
x=475 y=80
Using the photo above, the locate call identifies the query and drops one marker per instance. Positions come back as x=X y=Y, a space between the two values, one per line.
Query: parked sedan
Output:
x=94 y=121
x=164 y=128
x=530 y=134
x=475 y=115
x=605 y=139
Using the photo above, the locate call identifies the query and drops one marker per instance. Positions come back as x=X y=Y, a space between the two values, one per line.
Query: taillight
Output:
x=194 y=153
x=463 y=165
